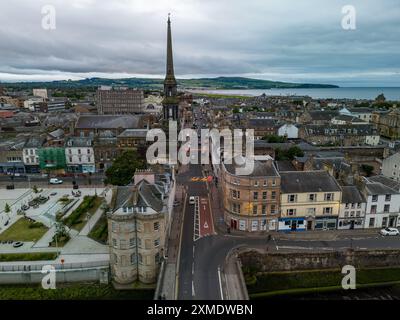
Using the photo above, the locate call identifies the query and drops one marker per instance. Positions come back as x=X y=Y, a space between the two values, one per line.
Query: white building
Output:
x=352 y=209
x=30 y=103
x=383 y=205
x=80 y=155
x=362 y=113
x=391 y=166
x=289 y=130
x=30 y=154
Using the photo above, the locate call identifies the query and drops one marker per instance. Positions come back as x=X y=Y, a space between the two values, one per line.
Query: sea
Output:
x=363 y=93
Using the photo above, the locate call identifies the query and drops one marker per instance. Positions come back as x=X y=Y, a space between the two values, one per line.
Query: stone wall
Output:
x=268 y=262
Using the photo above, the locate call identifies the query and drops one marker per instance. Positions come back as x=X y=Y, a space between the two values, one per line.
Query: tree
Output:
x=7 y=208
x=35 y=189
x=123 y=168
x=380 y=98
x=289 y=154
x=274 y=138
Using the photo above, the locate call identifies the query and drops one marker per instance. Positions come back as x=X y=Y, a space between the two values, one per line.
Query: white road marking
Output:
x=193 y=293
x=220 y=284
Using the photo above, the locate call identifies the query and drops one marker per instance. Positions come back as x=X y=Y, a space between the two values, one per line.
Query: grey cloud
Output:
x=286 y=40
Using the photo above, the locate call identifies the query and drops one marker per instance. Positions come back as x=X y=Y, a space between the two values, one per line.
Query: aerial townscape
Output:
x=80 y=197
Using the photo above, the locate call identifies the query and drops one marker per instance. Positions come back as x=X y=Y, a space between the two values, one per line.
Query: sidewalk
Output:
x=233 y=283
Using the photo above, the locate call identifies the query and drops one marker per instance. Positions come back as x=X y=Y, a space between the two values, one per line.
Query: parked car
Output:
x=389 y=232
x=55 y=181
x=18 y=244
x=53 y=193
x=191 y=200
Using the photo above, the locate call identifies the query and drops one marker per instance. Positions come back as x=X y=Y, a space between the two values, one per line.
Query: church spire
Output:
x=170 y=81
x=170 y=60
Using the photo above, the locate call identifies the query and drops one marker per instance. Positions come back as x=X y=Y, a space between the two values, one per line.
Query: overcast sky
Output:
x=286 y=40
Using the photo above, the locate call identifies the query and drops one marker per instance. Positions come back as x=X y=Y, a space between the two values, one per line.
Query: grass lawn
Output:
x=24 y=230
x=80 y=291
x=78 y=218
x=100 y=230
x=35 y=256
x=315 y=280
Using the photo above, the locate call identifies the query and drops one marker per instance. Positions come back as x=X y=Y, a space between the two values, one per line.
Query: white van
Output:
x=55 y=181
x=191 y=200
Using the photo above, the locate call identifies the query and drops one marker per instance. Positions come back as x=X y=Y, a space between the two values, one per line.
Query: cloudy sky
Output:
x=285 y=40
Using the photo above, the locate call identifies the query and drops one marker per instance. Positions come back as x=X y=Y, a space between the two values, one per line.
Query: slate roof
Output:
x=385 y=181
x=108 y=121
x=308 y=181
x=376 y=188
x=261 y=123
x=350 y=194
x=322 y=115
x=141 y=195
x=285 y=165
x=133 y=133
x=261 y=169
x=73 y=142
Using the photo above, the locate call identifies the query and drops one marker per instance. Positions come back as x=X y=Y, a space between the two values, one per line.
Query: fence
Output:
x=100 y=274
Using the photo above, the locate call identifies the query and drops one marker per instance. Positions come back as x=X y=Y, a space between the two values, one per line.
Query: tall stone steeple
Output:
x=170 y=103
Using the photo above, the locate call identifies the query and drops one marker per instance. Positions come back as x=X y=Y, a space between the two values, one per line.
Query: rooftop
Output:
x=350 y=194
x=261 y=168
x=108 y=121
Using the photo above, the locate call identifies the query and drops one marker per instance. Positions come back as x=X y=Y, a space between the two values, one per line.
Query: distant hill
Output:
x=144 y=83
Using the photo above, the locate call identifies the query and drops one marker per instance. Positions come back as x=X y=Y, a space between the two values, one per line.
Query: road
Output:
x=40 y=181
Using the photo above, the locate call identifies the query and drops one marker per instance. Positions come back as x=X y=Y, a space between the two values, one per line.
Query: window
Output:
x=375 y=198
x=353 y=205
x=256 y=183
x=328 y=210
x=264 y=195
x=273 y=182
x=311 y=211
x=386 y=208
x=312 y=197
x=139 y=242
x=254 y=209
x=373 y=209
x=140 y=258
x=263 y=209
x=156 y=225
x=235 y=194
x=132 y=242
x=329 y=196
x=133 y=258
x=388 y=197
x=359 y=205
x=157 y=258
x=114 y=242
x=265 y=183
x=255 y=196
x=79 y=151
x=347 y=206
x=273 y=195
x=273 y=209
x=292 y=198
x=291 y=212
x=156 y=242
